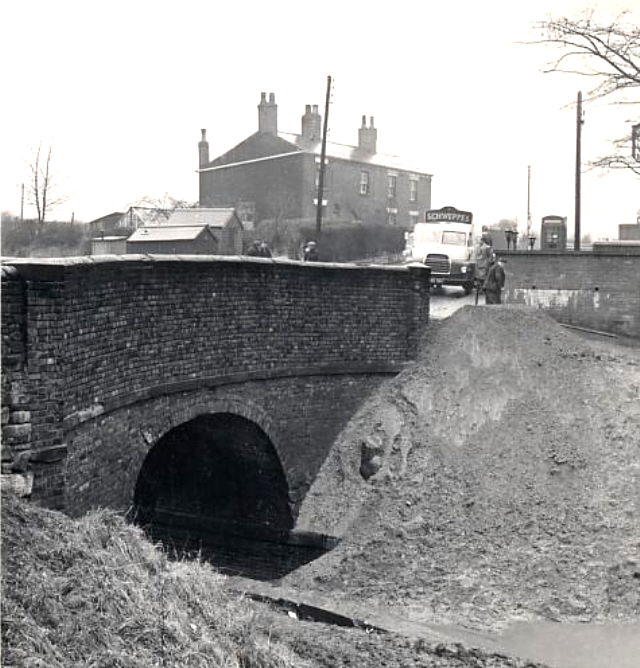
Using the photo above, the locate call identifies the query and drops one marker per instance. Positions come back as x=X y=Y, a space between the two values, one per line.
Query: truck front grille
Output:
x=439 y=264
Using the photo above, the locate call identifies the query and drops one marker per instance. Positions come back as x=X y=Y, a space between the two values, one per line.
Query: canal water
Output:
x=575 y=645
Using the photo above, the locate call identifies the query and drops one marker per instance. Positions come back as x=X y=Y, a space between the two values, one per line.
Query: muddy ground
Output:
x=498 y=479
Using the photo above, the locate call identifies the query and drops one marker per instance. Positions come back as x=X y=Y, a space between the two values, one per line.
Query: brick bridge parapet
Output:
x=101 y=354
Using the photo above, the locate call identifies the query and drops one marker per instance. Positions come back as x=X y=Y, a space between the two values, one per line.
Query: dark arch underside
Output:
x=215 y=484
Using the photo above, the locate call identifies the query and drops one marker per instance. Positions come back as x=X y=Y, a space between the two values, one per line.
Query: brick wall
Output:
x=102 y=356
x=275 y=186
x=287 y=187
x=598 y=290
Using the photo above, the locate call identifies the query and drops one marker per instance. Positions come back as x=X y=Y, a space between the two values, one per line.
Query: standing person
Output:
x=264 y=249
x=486 y=236
x=254 y=250
x=494 y=282
x=310 y=252
x=483 y=261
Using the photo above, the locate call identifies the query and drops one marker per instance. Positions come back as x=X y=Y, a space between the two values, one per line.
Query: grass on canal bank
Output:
x=95 y=592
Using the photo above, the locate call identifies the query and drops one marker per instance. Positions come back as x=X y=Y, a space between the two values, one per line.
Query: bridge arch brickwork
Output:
x=102 y=356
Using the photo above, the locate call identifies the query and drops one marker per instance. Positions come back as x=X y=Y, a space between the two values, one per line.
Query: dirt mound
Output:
x=496 y=479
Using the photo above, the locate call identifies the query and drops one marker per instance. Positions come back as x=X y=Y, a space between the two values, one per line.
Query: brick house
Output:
x=274 y=175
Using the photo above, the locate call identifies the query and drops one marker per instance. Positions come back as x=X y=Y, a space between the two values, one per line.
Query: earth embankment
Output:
x=497 y=479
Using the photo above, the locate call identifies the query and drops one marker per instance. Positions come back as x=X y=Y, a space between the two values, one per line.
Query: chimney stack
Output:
x=367 y=136
x=203 y=150
x=268 y=114
x=311 y=124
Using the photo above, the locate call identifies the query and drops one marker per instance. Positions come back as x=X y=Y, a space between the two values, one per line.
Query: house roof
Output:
x=348 y=152
x=168 y=233
x=261 y=146
x=213 y=217
x=257 y=145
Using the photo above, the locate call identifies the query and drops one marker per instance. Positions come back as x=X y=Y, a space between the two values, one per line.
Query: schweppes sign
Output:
x=448 y=214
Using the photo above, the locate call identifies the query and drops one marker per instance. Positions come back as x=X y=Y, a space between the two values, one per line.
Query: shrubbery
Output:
x=51 y=239
x=339 y=242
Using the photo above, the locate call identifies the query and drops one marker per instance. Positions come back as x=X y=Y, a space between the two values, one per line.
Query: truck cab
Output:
x=444 y=243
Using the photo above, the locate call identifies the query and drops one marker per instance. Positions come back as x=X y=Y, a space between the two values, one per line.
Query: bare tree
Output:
x=43 y=189
x=165 y=203
x=608 y=54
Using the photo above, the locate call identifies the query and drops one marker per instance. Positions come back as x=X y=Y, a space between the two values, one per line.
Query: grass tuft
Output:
x=95 y=592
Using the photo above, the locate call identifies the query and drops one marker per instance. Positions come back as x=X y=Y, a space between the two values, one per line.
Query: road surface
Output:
x=447 y=299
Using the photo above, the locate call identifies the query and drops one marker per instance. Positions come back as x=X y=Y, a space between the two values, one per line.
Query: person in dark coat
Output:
x=494 y=282
x=255 y=250
x=486 y=236
x=311 y=252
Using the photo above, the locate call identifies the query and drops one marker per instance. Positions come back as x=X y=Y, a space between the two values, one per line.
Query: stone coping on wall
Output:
x=614 y=251
x=52 y=264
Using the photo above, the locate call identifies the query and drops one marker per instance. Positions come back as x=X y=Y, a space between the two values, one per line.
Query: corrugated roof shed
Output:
x=213 y=217
x=168 y=233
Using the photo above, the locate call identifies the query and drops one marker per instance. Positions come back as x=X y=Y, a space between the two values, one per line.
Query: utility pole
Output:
x=323 y=154
x=579 y=122
x=528 y=201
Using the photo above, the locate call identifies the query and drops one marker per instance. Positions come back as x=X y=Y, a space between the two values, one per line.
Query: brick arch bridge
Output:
x=106 y=359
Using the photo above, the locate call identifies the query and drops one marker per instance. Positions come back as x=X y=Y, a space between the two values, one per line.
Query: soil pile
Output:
x=496 y=479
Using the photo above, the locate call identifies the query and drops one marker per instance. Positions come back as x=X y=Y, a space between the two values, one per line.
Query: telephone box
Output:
x=553 y=233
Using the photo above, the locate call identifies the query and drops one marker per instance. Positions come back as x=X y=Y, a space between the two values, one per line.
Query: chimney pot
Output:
x=203 y=150
x=307 y=108
x=268 y=114
x=315 y=108
x=367 y=136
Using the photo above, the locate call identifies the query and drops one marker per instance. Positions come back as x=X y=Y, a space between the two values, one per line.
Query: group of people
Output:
x=490 y=274
x=261 y=249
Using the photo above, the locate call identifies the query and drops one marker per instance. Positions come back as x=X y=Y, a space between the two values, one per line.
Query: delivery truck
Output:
x=444 y=242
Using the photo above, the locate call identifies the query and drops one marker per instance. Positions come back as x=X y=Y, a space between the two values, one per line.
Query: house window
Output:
x=392 y=216
x=413 y=190
x=392 y=180
x=414 y=216
x=364 y=183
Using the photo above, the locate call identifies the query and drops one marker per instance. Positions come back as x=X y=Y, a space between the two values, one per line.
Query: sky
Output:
x=120 y=90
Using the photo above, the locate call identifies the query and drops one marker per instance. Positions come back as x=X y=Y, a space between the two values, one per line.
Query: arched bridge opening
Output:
x=215 y=486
